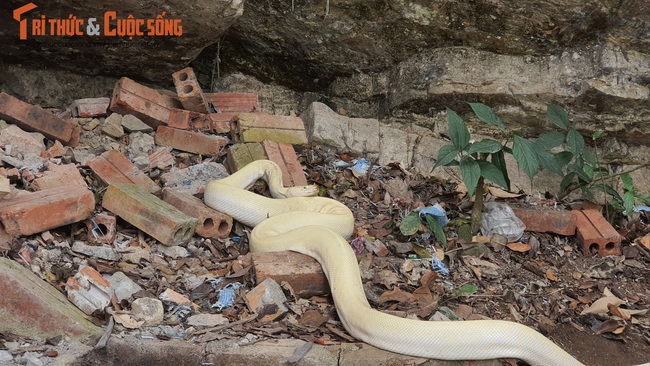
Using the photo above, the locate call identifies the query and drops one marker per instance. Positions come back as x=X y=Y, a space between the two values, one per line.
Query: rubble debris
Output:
x=189 y=91
x=173 y=297
x=596 y=234
x=90 y=107
x=35 y=118
x=88 y=290
x=301 y=272
x=18 y=143
x=122 y=285
x=213 y=122
x=267 y=301
x=211 y=223
x=5 y=187
x=33 y=212
x=102 y=228
x=207 y=320
x=149 y=213
x=547 y=220
x=193 y=179
x=112 y=168
x=233 y=102
x=113 y=126
x=190 y=141
x=148 y=310
x=94 y=251
x=147 y=104
x=257 y=127
x=131 y=123
x=174 y=251
x=64 y=175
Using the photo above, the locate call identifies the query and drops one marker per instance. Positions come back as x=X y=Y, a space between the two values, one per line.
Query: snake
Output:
x=295 y=219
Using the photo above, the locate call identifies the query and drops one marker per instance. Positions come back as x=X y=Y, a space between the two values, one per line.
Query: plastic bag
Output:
x=499 y=218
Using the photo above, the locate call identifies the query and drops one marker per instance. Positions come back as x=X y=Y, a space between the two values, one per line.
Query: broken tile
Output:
x=88 y=290
x=123 y=286
x=267 y=300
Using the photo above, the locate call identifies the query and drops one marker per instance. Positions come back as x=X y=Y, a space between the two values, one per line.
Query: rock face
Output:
x=143 y=56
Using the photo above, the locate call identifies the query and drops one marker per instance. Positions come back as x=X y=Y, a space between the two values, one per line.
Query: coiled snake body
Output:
x=318 y=227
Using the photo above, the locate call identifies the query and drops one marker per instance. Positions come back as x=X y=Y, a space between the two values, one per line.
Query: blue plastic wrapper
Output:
x=438 y=266
x=227 y=296
x=437 y=212
x=641 y=208
x=361 y=166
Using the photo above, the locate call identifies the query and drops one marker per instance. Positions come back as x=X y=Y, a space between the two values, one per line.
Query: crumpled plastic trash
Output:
x=500 y=219
x=640 y=208
x=437 y=212
x=226 y=296
x=361 y=166
x=438 y=266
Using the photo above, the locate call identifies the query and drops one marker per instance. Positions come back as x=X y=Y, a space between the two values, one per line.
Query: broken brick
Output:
x=102 y=228
x=112 y=167
x=212 y=224
x=233 y=102
x=161 y=158
x=240 y=155
x=5 y=187
x=34 y=118
x=90 y=107
x=30 y=307
x=88 y=290
x=195 y=121
x=303 y=273
x=19 y=143
x=596 y=234
x=267 y=301
x=189 y=91
x=257 y=127
x=33 y=212
x=149 y=105
x=544 y=220
x=190 y=141
x=59 y=176
x=285 y=156
x=148 y=213
x=57 y=150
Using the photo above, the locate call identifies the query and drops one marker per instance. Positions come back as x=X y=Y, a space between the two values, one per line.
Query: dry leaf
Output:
x=616 y=312
x=601 y=305
x=519 y=247
x=551 y=275
x=500 y=193
x=396 y=295
x=644 y=241
x=126 y=320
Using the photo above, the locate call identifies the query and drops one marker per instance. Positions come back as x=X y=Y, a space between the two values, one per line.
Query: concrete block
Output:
x=149 y=105
x=65 y=175
x=90 y=107
x=190 y=141
x=189 y=91
x=211 y=223
x=233 y=102
x=596 y=234
x=257 y=127
x=148 y=213
x=285 y=156
x=547 y=220
x=267 y=300
x=112 y=168
x=102 y=228
x=241 y=154
x=88 y=290
x=30 y=307
x=34 y=212
x=303 y=273
x=34 y=118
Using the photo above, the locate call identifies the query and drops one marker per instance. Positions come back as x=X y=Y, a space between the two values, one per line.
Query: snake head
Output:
x=302 y=191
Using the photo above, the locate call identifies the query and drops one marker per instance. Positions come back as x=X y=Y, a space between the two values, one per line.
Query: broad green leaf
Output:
x=575 y=142
x=557 y=116
x=457 y=130
x=466 y=289
x=485 y=146
x=578 y=169
x=610 y=191
x=563 y=158
x=548 y=162
x=590 y=156
x=499 y=161
x=490 y=172
x=628 y=184
x=486 y=114
x=628 y=202
x=410 y=224
x=435 y=226
x=567 y=180
x=524 y=152
x=589 y=170
x=470 y=171
x=549 y=140
x=446 y=155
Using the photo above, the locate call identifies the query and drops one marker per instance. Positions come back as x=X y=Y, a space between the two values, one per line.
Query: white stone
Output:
x=124 y=286
x=132 y=123
x=148 y=310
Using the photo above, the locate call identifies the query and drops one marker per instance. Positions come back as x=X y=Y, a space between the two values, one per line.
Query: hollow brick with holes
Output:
x=595 y=234
x=102 y=228
x=189 y=91
x=149 y=213
x=150 y=106
x=211 y=223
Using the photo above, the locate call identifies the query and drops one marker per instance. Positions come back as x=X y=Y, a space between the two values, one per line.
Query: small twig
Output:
x=107 y=334
x=226 y=326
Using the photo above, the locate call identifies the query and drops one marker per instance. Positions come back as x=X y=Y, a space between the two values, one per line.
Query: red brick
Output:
x=161 y=158
x=190 y=141
x=595 y=234
x=285 y=156
x=59 y=176
x=233 y=102
x=303 y=273
x=90 y=107
x=189 y=91
x=34 y=118
x=57 y=150
x=149 y=105
x=195 y=121
x=102 y=228
x=31 y=213
x=30 y=307
x=148 y=213
x=112 y=167
x=545 y=220
x=257 y=127
x=212 y=224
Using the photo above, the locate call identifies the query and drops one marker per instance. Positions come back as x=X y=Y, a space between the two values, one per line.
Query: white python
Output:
x=318 y=227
